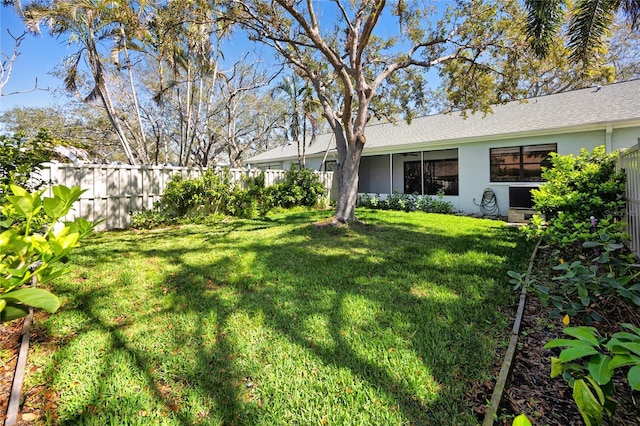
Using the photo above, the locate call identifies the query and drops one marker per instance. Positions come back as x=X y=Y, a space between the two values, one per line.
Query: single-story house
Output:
x=502 y=151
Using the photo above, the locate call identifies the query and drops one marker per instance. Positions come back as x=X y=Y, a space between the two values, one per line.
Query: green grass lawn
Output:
x=266 y=322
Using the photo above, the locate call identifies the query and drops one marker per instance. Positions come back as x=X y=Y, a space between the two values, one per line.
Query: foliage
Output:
x=300 y=187
x=611 y=272
x=207 y=193
x=588 y=26
x=27 y=253
x=150 y=219
x=574 y=190
x=582 y=200
x=589 y=362
x=213 y=194
x=20 y=158
x=407 y=203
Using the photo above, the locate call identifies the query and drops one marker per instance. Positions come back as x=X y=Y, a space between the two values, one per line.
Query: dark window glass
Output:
x=330 y=165
x=412 y=177
x=520 y=163
x=441 y=175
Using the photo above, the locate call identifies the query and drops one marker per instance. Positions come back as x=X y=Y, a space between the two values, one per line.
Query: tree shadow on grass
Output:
x=308 y=273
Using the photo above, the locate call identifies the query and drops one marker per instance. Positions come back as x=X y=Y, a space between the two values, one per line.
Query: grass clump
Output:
x=275 y=321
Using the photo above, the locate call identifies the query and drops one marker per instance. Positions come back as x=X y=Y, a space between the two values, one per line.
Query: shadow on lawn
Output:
x=450 y=342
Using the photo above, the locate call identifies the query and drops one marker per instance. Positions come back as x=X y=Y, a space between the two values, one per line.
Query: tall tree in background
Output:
x=355 y=71
x=590 y=23
x=298 y=96
x=86 y=23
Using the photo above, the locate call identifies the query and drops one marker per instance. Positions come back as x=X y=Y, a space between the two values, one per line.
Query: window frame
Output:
x=521 y=165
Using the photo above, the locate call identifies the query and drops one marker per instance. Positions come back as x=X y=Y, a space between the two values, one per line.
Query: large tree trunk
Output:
x=347 y=174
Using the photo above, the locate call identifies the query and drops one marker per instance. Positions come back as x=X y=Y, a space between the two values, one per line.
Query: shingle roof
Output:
x=564 y=112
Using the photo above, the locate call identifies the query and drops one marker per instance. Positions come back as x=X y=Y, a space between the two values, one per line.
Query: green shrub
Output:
x=20 y=157
x=407 y=202
x=211 y=194
x=207 y=193
x=27 y=252
x=575 y=189
x=150 y=219
x=301 y=187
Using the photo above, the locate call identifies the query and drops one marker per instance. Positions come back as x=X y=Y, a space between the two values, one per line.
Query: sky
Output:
x=39 y=55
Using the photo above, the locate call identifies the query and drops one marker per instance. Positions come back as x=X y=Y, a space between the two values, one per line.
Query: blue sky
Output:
x=39 y=55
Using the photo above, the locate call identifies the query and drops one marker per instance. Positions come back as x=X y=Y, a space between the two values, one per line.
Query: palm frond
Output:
x=544 y=20
x=72 y=74
x=589 y=28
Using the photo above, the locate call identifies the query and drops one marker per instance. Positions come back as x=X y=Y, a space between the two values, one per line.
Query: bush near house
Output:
x=576 y=188
x=210 y=194
x=407 y=203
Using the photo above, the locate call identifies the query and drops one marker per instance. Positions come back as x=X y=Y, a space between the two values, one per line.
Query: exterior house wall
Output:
x=625 y=138
x=474 y=166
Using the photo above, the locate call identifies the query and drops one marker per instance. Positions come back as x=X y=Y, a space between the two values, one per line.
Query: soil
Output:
x=530 y=390
x=9 y=345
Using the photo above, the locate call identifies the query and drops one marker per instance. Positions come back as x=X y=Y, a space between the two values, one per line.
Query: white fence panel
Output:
x=114 y=191
x=629 y=160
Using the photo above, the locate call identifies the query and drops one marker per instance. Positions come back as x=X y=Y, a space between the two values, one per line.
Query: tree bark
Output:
x=348 y=185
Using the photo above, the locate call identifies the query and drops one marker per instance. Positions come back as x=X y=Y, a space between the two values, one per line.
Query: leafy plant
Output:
x=149 y=219
x=25 y=254
x=576 y=188
x=407 y=202
x=589 y=362
x=20 y=157
x=300 y=187
x=580 y=285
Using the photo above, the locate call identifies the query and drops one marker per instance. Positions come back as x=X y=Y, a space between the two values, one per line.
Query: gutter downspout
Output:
x=608 y=144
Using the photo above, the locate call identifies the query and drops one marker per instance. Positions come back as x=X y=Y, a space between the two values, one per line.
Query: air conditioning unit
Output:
x=520 y=204
x=520 y=197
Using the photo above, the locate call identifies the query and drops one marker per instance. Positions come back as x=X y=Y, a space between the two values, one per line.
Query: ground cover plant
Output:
x=277 y=321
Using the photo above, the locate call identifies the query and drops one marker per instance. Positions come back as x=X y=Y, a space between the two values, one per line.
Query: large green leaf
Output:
x=574 y=353
x=36 y=297
x=587 y=334
x=566 y=342
x=588 y=405
x=634 y=377
x=54 y=207
x=623 y=361
x=600 y=369
x=11 y=312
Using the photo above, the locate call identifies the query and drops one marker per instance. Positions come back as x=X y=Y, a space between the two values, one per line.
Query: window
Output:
x=330 y=165
x=412 y=176
x=520 y=163
x=439 y=175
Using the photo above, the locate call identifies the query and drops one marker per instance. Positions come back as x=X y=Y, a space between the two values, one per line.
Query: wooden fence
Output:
x=629 y=160
x=114 y=191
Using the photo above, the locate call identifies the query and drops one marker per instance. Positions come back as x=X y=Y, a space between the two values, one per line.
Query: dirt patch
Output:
x=9 y=347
